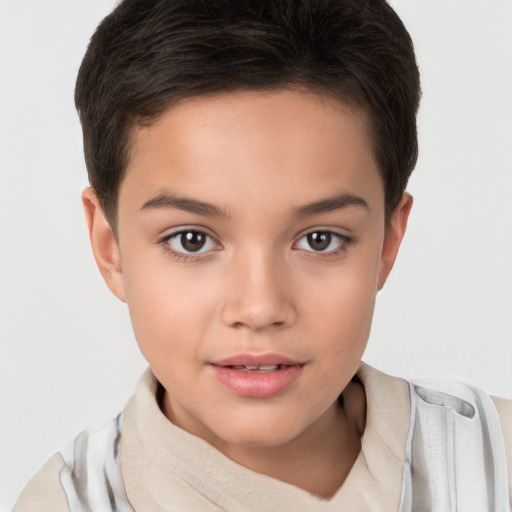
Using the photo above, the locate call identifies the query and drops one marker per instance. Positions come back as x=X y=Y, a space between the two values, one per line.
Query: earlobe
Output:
x=103 y=243
x=395 y=232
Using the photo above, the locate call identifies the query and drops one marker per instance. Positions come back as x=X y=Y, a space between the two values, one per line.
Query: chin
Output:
x=260 y=433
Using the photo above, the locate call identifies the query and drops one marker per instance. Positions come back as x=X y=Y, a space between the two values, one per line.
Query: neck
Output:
x=318 y=460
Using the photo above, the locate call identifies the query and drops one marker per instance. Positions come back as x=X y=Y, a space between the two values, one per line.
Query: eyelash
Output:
x=184 y=257
x=344 y=242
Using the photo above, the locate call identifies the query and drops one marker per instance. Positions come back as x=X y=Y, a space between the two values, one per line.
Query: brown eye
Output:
x=319 y=240
x=190 y=242
x=193 y=241
x=323 y=242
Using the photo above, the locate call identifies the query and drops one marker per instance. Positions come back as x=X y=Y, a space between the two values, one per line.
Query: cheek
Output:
x=342 y=306
x=347 y=313
x=167 y=308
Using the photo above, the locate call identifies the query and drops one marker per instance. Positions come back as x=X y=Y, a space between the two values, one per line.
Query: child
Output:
x=248 y=162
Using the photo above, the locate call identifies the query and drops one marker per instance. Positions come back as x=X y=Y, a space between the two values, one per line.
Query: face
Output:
x=252 y=243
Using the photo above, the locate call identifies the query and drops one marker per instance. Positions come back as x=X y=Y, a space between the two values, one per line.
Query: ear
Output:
x=103 y=243
x=395 y=231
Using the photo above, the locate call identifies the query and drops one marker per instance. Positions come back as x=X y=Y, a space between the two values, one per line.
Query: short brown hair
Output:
x=148 y=54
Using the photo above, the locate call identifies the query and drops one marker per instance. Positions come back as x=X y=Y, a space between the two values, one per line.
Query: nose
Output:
x=260 y=294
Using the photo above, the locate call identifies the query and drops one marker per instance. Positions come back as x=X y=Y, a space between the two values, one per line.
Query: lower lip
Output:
x=257 y=385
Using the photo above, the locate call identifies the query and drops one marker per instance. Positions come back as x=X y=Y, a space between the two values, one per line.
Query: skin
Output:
x=257 y=286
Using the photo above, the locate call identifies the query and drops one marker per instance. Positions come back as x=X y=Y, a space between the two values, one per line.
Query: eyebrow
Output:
x=187 y=204
x=330 y=204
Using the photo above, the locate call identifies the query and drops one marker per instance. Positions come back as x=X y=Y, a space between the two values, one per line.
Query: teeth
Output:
x=260 y=369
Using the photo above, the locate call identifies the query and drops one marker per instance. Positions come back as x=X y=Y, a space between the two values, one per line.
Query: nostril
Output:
x=253 y=325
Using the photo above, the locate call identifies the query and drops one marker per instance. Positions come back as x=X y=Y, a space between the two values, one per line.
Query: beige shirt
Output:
x=166 y=469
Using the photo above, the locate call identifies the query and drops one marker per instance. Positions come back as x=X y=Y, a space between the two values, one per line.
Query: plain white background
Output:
x=68 y=358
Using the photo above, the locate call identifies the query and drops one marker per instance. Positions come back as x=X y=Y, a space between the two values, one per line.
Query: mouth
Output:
x=258 y=369
x=265 y=361
x=257 y=376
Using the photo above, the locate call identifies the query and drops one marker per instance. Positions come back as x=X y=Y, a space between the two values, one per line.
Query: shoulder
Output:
x=44 y=491
x=85 y=473
x=504 y=408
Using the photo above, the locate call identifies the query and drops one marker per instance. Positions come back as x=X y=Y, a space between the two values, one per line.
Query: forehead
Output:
x=258 y=147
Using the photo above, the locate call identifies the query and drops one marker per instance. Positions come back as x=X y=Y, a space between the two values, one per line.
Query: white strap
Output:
x=455 y=452
x=91 y=477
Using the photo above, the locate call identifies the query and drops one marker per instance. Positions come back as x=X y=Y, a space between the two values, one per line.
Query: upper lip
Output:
x=265 y=359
